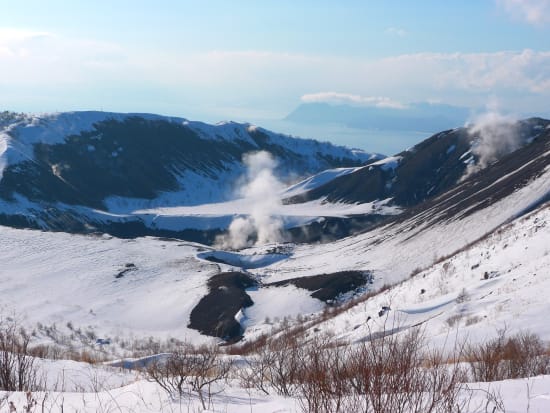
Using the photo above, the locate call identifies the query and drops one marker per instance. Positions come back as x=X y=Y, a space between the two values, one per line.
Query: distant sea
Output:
x=387 y=142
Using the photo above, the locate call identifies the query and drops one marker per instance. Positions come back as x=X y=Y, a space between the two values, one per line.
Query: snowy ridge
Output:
x=435 y=165
x=22 y=131
x=389 y=163
x=89 y=169
x=317 y=180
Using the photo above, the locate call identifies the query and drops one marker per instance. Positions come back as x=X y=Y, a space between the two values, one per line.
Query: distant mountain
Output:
x=54 y=166
x=425 y=117
x=437 y=165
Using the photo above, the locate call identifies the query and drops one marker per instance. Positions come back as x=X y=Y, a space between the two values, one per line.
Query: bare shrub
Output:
x=521 y=355
x=394 y=373
x=18 y=371
x=190 y=368
x=275 y=366
x=322 y=384
x=463 y=296
x=473 y=320
x=285 y=356
x=256 y=373
x=397 y=373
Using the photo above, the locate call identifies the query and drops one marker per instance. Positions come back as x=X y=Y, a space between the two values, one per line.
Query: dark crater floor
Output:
x=215 y=313
x=327 y=287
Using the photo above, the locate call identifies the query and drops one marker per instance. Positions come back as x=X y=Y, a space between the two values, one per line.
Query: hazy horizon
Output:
x=250 y=61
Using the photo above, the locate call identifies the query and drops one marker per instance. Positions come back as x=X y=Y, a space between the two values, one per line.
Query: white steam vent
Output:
x=495 y=135
x=260 y=189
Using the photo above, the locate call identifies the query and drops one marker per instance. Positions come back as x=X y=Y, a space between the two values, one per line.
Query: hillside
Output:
x=435 y=165
x=54 y=166
x=459 y=264
x=116 y=277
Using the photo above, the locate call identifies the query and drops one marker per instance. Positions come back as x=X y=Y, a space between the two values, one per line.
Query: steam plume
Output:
x=495 y=135
x=260 y=190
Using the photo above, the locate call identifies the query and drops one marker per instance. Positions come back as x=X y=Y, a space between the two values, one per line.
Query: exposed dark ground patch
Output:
x=328 y=286
x=129 y=267
x=214 y=315
x=333 y=228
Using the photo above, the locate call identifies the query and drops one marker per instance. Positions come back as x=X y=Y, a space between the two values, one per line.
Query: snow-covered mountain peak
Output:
x=116 y=163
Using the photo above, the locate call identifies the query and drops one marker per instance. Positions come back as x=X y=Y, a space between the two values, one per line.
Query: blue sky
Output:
x=250 y=60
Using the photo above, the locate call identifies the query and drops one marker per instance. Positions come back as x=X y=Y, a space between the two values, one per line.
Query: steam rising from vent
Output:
x=495 y=135
x=260 y=190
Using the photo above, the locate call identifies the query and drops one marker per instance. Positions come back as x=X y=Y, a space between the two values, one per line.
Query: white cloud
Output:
x=535 y=12
x=41 y=67
x=396 y=31
x=15 y=43
x=44 y=58
x=8 y=35
x=336 y=97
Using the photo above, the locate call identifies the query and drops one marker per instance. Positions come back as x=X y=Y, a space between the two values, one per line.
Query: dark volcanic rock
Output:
x=215 y=313
x=328 y=286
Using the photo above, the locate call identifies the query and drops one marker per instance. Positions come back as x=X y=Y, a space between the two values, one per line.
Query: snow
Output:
x=476 y=274
x=220 y=215
x=500 y=282
x=317 y=180
x=277 y=303
x=154 y=299
x=386 y=164
x=95 y=390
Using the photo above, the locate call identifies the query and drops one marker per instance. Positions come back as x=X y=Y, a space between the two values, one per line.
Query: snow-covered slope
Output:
x=119 y=163
x=499 y=283
x=114 y=287
x=149 y=286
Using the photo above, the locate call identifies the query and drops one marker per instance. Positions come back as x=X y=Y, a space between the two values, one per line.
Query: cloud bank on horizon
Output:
x=51 y=68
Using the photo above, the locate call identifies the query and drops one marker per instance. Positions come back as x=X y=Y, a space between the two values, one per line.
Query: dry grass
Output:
x=518 y=356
